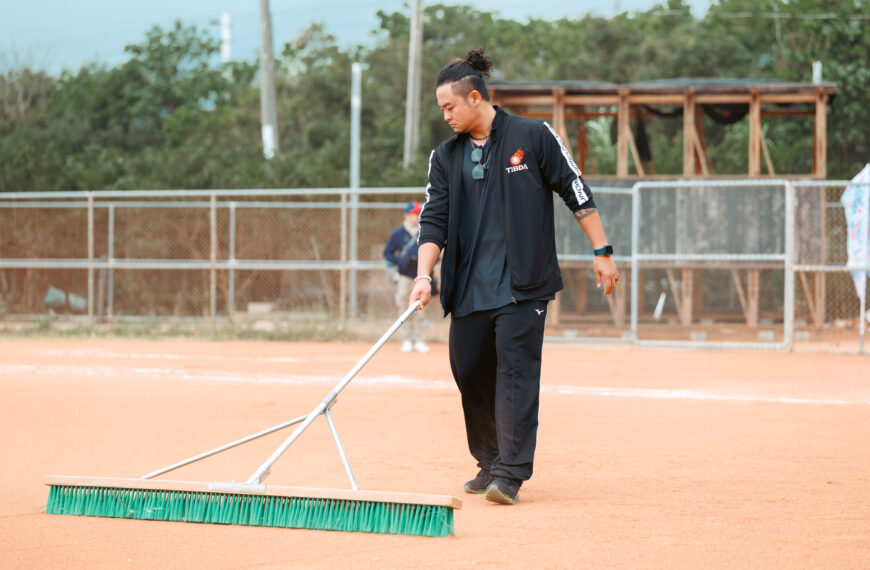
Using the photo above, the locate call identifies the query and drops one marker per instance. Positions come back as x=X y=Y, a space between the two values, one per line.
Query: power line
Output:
x=785 y=16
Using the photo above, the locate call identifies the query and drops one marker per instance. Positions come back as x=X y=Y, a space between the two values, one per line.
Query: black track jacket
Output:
x=528 y=162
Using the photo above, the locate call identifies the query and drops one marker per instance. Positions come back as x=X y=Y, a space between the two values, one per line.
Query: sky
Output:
x=57 y=34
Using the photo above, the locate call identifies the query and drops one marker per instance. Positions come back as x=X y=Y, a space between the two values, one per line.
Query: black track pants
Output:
x=496 y=360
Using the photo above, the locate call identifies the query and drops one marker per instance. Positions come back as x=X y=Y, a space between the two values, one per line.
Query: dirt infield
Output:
x=645 y=458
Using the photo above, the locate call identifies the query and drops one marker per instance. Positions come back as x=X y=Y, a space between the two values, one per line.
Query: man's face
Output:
x=411 y=219
x=458 y=112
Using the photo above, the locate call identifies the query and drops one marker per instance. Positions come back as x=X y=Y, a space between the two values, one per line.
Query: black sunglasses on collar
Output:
x=479 y=170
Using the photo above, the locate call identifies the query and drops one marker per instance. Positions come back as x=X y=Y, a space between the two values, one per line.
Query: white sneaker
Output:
x=420 y=346
x=407 y=346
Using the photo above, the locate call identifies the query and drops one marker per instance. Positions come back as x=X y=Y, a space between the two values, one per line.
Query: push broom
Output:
x=255 y=503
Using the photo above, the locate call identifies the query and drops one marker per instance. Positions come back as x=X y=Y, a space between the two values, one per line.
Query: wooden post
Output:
x=749 y=301
x=553 y=313
x=581 y=139
x=559 y=117
x=635 y=155
x=577 y=287
x=819 y=301
x=689 y=133
x=820 y=144
x=683 y=295
x=753 y=294
x=754 y=134
x=767 y=161
x=704 y=162
x=616 y=303
x=688 y=276
x=697 y=292
x=623 y=131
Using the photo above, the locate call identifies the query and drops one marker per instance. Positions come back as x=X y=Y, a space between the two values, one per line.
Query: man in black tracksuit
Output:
x=489 y=205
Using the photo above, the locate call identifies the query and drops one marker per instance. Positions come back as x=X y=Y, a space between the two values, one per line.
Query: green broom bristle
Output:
x=253 y=510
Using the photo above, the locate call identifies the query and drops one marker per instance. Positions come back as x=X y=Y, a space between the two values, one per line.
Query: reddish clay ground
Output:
x=645 y=458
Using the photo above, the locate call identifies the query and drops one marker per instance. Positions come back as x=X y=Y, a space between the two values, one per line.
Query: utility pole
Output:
x=412 y=96
x=268 y=105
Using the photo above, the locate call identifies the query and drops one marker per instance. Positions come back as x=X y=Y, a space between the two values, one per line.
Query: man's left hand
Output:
x=605 y=272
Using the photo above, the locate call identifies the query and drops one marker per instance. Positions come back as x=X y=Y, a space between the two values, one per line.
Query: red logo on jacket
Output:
x=516 y=161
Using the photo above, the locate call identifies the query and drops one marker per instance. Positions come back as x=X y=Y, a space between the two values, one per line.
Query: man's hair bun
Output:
x=466 y=75
x=477 y=59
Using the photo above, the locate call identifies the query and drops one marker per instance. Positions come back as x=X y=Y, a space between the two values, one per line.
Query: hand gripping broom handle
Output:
x=260 y=475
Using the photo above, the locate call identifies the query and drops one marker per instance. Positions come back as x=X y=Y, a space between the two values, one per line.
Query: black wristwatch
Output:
x=606 y=251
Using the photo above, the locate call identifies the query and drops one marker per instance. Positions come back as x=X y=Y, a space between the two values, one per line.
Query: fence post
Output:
x=355 y=109
x=788 y=300
x=213 y=256
x=91 y=261
x=635 y=270
x=110 y=293
x=231 y=286
x=342 y=293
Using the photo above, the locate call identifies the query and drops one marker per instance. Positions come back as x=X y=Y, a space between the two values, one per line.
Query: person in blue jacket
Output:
x=401 y=255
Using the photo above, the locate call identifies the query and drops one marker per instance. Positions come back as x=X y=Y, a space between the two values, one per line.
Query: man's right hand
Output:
x=422 y=290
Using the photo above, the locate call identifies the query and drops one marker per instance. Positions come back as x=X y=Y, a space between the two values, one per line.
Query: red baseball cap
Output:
x=413 y=208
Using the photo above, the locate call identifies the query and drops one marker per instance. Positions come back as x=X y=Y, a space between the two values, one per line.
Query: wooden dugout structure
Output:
x=691 y=98
x=726 y=101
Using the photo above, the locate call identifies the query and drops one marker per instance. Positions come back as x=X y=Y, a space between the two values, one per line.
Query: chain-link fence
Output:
x=831 y=259
x=753 y=264
x=710 y=263
x=276 y=257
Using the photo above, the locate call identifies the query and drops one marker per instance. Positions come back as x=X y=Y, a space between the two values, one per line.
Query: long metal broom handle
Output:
x=217 y=450
x=260 y=474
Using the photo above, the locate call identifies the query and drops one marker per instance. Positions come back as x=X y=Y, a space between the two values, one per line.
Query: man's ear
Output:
x=475 y=97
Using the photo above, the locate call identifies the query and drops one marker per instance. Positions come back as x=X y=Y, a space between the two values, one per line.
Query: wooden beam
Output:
x=593 y=100
x=635 y=155
x=741 y=296
x=704 y=162
x=753 y=294
x=754 y=135
x=559 y=117
x=577 y=288
x=815 y=297
x=721 y=99
x=525 y=100
x=682 y=298
x=808 y=293
x=820 y=142
x=688 y=133
x=819 y=315
x=655 y=99
x=582 y=143
x=616 y=304
x=623 y=132
x=554 y=314
x=788 y=97
x=766 y=153
x=688 y=276
x=786 y=112
x=264 y=490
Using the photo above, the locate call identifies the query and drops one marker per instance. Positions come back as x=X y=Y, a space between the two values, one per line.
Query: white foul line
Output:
x=174 y=374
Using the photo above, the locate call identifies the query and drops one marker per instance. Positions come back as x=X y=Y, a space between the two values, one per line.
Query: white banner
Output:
x=856 y=202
